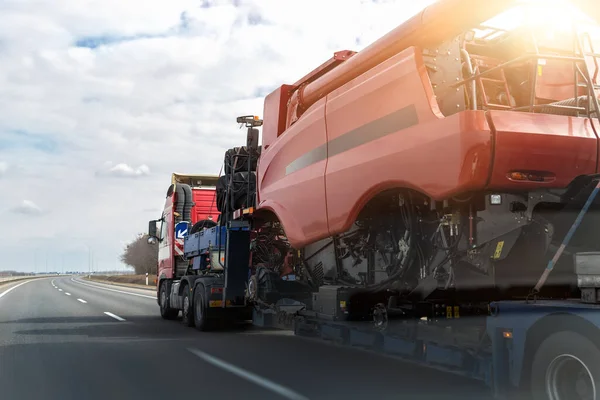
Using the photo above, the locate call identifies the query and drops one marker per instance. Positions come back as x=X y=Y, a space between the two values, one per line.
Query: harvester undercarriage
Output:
x=407 y=247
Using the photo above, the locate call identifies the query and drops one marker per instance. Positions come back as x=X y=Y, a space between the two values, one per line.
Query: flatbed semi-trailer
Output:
x=523 y=349
x=549 y=349
x=534 y=346
x=545 y=348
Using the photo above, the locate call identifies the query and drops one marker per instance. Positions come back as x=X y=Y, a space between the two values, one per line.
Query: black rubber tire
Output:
x=239 y=156
x=165 y=310
x=241 y=193
x=221 y=189
x=205 y=223
x=200 y=310
x=564 y=346
x=187 y=311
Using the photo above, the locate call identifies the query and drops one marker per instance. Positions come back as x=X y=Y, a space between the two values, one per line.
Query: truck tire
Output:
x=200 y=310
x=165 y=304
x=187 y=311
x=566 y=366
x=204 y=223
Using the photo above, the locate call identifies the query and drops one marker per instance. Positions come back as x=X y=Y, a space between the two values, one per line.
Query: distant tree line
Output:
x=13 y=273
x=140 y=255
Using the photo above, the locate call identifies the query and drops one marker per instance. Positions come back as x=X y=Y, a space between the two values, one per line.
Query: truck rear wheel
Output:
x=165 y=310
x=566 y=366
x=200 y=310
x=187 y=310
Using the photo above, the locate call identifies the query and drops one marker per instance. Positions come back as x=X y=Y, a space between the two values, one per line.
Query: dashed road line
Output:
x=114 y=316
x=67 y=293
x=249 y=376
x=60 y=290
x=269 y=333
x=82 y=301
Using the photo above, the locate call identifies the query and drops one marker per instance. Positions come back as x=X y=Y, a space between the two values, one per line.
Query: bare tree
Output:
x=141 y=255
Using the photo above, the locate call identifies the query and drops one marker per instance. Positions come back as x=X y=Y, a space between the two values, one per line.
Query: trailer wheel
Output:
x=566 y=366
x=200 y=310
x=165 y=310
x=187 y=316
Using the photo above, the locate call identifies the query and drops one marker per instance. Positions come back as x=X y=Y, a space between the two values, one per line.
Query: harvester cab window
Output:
x=540 y=56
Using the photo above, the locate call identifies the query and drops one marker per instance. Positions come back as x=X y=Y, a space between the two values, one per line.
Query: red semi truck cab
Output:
x=190 y=205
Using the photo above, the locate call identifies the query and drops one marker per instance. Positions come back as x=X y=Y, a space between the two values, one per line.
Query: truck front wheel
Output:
x=566 y=366
x=165 y=310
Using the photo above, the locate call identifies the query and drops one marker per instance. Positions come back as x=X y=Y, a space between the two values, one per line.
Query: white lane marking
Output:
x=114 y=290
x=258 y=380
x=60 y=290
x=14 y=287
x=270 y=333
x=53 y=283
x=67 y=293
x=114 y=316
x=81 y=300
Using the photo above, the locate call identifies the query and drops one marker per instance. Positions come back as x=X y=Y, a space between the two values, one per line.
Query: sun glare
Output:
x=556 y=16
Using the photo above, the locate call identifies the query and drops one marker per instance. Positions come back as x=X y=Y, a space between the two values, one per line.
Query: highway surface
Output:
x=66 y=338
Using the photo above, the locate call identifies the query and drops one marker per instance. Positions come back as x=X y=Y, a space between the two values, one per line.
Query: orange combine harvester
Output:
x=431 y=197
x=452 y=155
x=424 y=197
x=459 y=143
x=447 y=154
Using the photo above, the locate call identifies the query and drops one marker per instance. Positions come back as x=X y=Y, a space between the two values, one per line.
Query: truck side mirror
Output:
x=152 y=229
x=252 y=138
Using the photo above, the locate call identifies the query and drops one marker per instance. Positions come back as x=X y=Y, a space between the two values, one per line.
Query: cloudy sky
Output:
x=101 y=100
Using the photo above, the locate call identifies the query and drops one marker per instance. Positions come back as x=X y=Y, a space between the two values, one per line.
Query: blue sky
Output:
x=17 y=139
x=101 y=100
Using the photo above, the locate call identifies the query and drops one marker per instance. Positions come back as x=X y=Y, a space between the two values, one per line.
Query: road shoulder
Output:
x=111 y=283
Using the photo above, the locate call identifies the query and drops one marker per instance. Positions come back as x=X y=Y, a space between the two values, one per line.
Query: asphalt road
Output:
x=63 y=338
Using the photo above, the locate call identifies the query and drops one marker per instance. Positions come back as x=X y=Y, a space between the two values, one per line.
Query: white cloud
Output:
x=123 y=170
x=27 y=207
x=155 y=85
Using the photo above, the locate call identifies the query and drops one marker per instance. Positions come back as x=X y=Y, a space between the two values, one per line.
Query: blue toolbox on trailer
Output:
x=200 y=242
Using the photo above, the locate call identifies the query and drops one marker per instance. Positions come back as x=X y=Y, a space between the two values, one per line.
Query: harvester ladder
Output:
x=583 y=71
x=499 y=79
